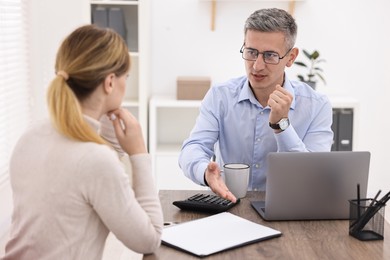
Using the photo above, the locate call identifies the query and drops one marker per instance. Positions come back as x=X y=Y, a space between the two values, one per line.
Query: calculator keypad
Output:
x=205 y=202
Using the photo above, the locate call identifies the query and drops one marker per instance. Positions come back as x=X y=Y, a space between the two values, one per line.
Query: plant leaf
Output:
x=320 y=60
x=315 y=55
x=299 y=63
x=321 y=77
x=308 y=55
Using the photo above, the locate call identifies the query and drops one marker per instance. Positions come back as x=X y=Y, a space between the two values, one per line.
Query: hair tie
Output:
x=63 y=74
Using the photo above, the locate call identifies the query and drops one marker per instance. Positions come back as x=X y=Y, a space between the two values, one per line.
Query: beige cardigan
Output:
x=68 y=195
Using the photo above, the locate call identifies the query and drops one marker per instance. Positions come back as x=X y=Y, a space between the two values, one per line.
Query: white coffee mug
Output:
x=237 y=178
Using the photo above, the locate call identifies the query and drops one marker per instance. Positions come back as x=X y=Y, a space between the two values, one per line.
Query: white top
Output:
x=68 y=195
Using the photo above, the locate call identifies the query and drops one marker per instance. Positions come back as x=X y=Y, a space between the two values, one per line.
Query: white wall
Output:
x=51 y=22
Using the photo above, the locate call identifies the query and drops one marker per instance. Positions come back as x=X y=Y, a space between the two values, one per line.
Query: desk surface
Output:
x=300 y=239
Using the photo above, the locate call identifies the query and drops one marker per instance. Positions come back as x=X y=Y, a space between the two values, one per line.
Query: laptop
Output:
x=313 y=185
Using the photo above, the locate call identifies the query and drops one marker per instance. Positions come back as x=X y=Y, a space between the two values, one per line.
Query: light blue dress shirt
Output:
x=233 y=125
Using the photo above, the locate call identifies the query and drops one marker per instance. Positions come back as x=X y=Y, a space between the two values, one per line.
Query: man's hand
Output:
x=216 y=183
x=280 y=101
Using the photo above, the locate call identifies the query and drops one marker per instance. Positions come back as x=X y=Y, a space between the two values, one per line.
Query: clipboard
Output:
x=216 y=233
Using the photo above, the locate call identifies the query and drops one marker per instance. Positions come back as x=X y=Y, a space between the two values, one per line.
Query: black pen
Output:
x=374 y=200
x=358 y=199
x=385 y=198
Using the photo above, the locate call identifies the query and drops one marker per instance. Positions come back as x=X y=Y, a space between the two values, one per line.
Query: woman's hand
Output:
x=128 y=131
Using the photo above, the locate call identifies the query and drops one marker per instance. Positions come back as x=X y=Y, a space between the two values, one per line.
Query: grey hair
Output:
x=273 y=20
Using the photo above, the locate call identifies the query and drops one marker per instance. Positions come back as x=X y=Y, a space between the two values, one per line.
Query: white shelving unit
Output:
x=136 y=16
x=170 y=123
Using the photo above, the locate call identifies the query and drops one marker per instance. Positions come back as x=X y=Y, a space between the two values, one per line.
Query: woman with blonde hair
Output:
x=69 y=186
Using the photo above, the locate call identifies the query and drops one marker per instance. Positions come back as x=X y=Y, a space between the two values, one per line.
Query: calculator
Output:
x=206 y=203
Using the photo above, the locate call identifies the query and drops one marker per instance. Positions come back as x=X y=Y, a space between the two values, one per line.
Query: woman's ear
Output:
x=292 y=56
x=108 y=83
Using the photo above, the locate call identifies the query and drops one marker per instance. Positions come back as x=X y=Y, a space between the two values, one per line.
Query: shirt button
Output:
x=256 y=166
x=257 y=139
x=261 y=113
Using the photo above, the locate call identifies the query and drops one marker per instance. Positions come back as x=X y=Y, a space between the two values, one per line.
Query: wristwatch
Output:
x=282 y=124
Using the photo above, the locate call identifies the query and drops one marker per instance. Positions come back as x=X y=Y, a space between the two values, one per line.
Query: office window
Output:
x=14 y=84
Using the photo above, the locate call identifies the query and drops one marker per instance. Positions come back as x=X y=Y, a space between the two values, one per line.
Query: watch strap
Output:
x=274 y=126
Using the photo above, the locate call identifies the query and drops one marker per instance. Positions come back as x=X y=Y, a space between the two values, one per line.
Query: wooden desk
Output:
x=300 y=239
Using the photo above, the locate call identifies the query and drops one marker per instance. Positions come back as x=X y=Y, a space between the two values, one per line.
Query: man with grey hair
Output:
x=245 y=118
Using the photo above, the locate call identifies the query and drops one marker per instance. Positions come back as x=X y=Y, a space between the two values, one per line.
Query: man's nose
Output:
x=259 y=63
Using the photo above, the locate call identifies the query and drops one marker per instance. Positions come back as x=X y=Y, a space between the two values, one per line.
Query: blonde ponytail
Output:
x=65 y=113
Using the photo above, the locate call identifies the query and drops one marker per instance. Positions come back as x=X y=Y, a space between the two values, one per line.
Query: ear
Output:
x=108 y=84
x=292 y=56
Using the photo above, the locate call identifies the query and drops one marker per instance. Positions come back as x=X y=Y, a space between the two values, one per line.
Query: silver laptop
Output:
x=313 y=185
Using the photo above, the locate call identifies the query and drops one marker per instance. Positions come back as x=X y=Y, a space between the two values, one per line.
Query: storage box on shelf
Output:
x=171 y=121
x=129 y=18
x=192 y=88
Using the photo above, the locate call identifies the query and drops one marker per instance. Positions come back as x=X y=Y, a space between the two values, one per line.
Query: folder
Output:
x=219 y=232
x=345 y=130
x=116 y=21
x=100 y=17
x=335 y=129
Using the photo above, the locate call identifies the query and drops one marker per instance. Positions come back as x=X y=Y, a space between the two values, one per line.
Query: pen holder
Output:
x=366 y=221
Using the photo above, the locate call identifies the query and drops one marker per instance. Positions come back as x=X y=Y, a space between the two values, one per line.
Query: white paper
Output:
x=216 y=233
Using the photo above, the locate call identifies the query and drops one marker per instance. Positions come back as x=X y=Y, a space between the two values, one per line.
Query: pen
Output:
x=358 y=199
x=374 y=200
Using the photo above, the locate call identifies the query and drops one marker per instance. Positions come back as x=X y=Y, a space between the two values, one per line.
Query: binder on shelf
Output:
x=335 y=129
x=116 y=21
x=342 y=128
x=112 y=17
x=345 y=130
x=100 y=17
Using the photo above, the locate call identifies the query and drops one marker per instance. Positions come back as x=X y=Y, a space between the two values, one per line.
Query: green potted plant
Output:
x=314 y=71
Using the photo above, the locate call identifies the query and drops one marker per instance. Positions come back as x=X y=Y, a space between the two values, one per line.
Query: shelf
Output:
x=171 y=101
x=168 y=149
x=130 y=18
x=105 y=2
x=171 y=122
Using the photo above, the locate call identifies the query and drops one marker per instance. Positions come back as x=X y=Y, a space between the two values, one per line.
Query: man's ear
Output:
x=292 y=56
x=108 y=83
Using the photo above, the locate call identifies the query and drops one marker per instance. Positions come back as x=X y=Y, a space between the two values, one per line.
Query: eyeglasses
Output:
x=269 y=57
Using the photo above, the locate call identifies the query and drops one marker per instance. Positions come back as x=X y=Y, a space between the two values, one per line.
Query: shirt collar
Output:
x=247 y=94
x=95 y=124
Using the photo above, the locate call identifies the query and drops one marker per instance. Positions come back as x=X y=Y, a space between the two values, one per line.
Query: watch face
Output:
x=284 y=123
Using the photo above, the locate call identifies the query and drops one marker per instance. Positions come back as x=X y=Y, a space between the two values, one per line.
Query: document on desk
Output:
x=209 y=235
